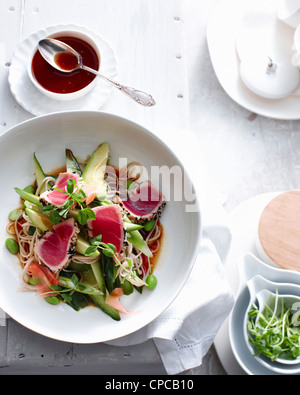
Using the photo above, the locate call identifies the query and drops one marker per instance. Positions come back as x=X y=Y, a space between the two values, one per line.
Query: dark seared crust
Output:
x=44 y=202
x=125 y=243
x=73 y=241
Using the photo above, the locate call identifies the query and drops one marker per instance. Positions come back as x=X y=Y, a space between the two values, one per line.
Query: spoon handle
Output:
x=143 y=98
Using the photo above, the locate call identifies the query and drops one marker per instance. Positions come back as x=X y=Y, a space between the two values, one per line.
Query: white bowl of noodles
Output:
x=48 y=137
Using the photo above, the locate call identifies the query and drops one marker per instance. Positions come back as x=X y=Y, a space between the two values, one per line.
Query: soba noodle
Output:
x=21 y=230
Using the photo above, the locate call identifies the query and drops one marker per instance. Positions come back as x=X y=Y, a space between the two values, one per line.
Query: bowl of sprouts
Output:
x=271 y=324
x=97 y=240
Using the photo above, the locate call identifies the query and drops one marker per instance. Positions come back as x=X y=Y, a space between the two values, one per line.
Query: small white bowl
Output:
x=249 y=266
x=48 y=136
x=65 y=96
x=259 y=287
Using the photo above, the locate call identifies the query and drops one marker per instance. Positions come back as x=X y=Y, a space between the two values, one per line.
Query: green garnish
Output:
x=74 y=292
x=274 y=333
x=149 y=225
x=74 y=195
x=109 y=250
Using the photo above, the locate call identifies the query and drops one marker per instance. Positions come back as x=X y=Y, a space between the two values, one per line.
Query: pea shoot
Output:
x=274 y=332
x=71 y=290
x=109 y=250
x=75 y=196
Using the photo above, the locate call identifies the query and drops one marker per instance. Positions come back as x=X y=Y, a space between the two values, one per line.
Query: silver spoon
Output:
x=51 y=48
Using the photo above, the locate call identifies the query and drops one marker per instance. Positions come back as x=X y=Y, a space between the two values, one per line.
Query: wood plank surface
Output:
x=246 y=154
x=146 y=36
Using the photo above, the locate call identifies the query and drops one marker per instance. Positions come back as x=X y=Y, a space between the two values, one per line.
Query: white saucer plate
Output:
x=275 y=278
x=222 y=34
x=27 y=95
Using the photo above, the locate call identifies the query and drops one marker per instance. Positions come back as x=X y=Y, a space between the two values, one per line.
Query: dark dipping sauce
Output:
x=61 y=82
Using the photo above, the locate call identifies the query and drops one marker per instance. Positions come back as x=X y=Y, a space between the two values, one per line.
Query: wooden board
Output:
x=279 y=230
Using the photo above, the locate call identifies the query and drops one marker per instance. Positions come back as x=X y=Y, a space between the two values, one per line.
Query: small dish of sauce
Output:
x=59 y=83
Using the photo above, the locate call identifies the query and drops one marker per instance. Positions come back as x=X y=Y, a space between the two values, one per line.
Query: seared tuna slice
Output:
x=143 y=204
x=109 y=224
x=54 y=197
x=56 y=247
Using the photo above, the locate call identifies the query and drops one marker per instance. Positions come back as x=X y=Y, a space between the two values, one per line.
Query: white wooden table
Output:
x=161 y=47
x=248 y=154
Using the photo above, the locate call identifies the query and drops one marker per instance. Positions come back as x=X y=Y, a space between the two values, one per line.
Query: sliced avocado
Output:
x=94 y=171
x=39 y=220
x=32 y=206
x=39 y=173
x=72 y=164
x=73 y=212
x=81 y=246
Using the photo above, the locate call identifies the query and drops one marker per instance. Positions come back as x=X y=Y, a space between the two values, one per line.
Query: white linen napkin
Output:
x=184 y=332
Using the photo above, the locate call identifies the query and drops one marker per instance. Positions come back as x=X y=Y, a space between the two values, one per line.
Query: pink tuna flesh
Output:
x=109 y=224
x=143 y=200
x=57 y=198
x=56 y=247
